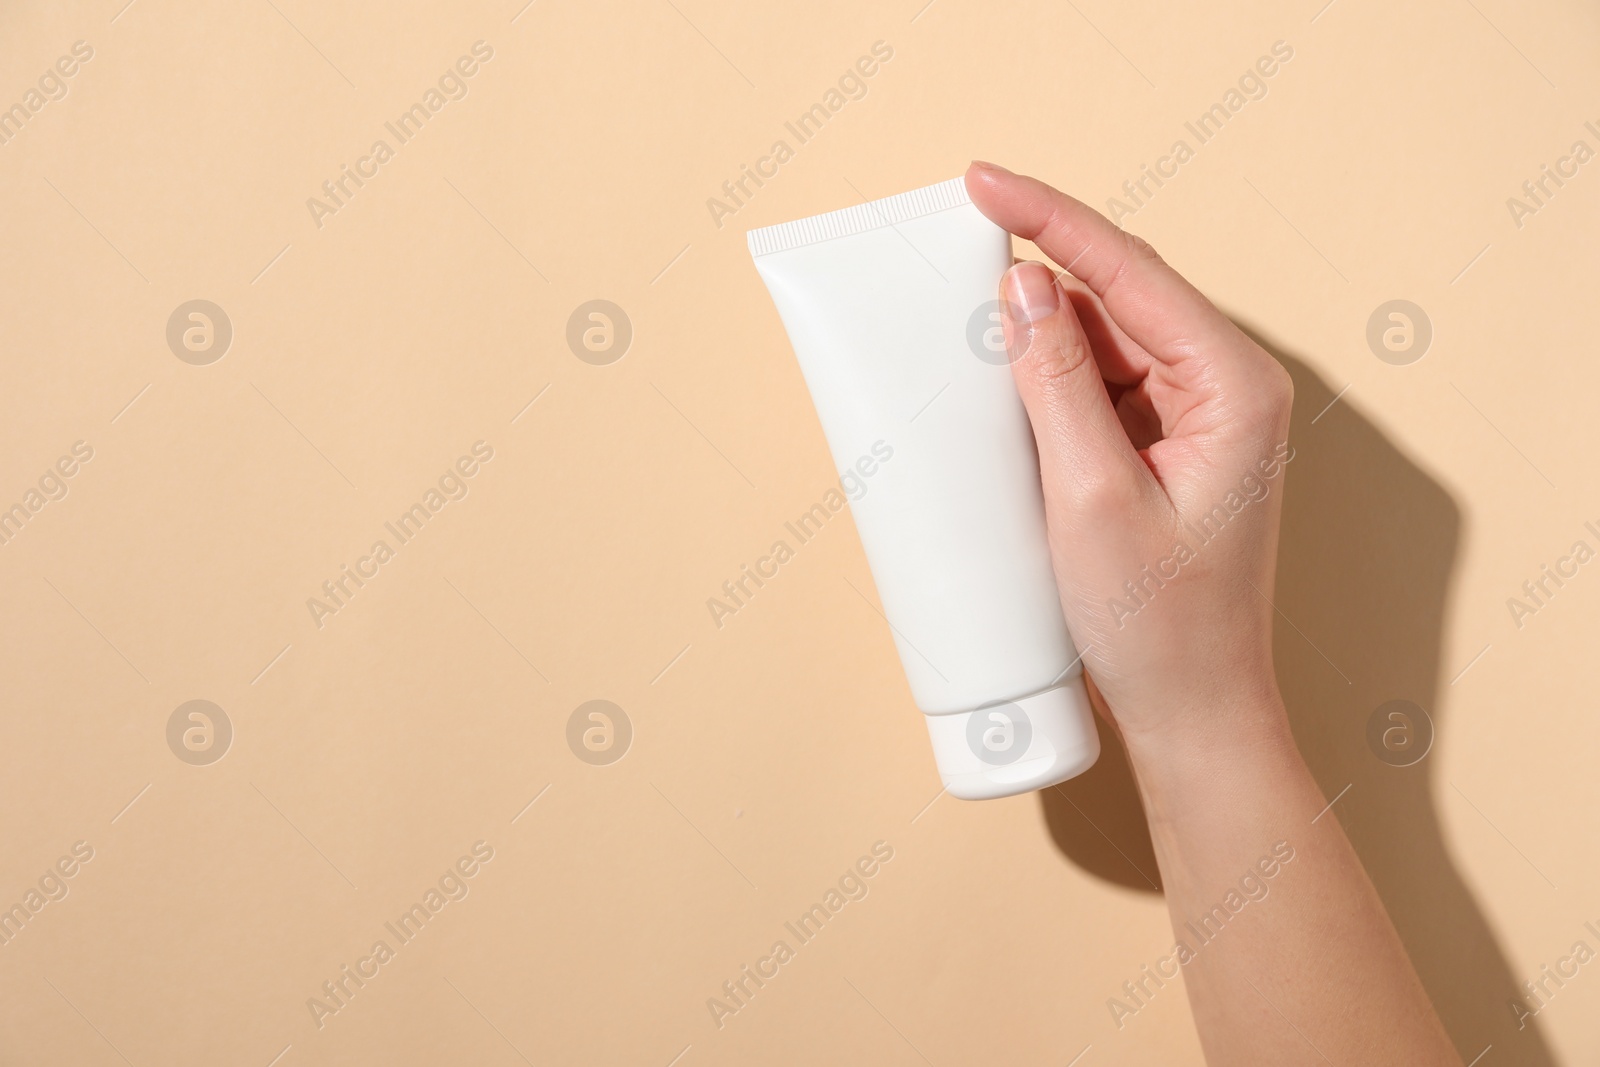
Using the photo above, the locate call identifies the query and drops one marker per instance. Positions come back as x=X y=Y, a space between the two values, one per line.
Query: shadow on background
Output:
x=1368 y=546
x=1097 y=819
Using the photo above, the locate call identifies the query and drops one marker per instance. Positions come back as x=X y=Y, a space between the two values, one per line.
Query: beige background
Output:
x=368 y=354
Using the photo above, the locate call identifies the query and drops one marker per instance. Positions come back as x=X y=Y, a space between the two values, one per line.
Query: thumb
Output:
x=1090 y=469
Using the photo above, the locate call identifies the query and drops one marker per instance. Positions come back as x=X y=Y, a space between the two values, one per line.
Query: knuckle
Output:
x=1279 y=388
x=1137 y=255
x=1067 y=354
x=1267 y=396
x=1100 y=487
x=1054 y=354
x=1140 y=250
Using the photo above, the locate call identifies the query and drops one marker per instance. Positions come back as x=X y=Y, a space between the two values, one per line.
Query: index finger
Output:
x=1152 y=303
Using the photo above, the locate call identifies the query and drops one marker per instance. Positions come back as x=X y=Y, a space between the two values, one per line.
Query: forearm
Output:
x=1286 y=951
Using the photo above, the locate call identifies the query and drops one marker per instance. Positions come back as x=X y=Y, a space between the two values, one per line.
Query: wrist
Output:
x=1230 y=773
x=1203 y=734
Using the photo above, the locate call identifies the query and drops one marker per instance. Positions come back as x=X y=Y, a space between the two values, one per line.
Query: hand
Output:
x=1161 y=431
x=1162 y=434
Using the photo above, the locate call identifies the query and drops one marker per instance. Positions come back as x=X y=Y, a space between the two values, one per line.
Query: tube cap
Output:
x=1016 y=746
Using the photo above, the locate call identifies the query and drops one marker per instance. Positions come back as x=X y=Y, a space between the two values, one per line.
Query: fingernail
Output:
x=1033 y=290
x=1030 y=295
x=985 y=165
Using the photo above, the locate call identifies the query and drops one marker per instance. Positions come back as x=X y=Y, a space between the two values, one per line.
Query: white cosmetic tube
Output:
x=893 y=311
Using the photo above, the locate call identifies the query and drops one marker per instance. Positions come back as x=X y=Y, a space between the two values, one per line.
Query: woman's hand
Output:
x=1162 y=433
x=1162 y=440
